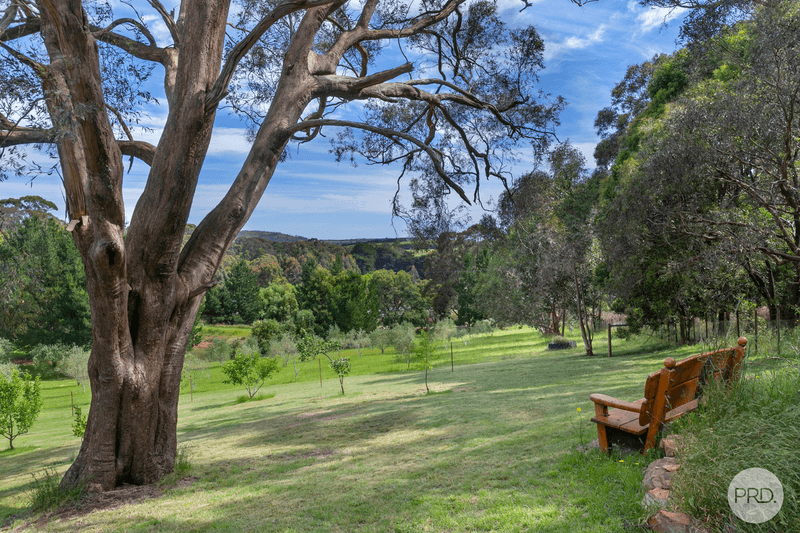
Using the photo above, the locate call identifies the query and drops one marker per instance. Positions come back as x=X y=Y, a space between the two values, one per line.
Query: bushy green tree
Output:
x=220 y=350
x=278 y=302
x=6 y=349
x=399 y=298
x=381 y=338
x=236 y=300
x=315 y=294
x=402 y=338
x=20 y=404
x=48 y=354
x=469 y=310
x=75 y=364
x=250 y=370
x=265 y=332
x=354 y=304
x=42 y=285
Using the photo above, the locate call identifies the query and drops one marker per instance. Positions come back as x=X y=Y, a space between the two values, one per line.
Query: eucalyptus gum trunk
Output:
x=144 y=287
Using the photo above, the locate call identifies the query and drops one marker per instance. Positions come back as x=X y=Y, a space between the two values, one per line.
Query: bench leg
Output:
x=652 y=433
x=602 y=439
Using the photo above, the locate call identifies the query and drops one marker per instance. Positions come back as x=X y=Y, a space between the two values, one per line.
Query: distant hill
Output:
x=291 y=251
x=273 y=236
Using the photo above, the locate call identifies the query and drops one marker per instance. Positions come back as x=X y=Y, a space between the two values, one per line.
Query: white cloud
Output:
x=655 y=17
x=229 y=141
x=553 y=50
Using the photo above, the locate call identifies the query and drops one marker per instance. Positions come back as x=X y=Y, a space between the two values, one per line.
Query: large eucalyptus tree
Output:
x=72 y=79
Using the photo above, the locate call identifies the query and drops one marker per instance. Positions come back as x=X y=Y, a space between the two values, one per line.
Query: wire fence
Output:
x=765 y=337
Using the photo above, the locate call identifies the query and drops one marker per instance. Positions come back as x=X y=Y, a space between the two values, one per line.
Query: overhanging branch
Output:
x=434 y=155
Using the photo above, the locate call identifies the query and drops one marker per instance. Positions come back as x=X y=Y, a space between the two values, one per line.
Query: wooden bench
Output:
x=668 y=393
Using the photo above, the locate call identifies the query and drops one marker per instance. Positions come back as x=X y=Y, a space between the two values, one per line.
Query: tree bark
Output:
x=587 y=338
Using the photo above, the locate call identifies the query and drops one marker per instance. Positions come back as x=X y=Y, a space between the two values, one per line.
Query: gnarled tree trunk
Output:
x=145 y=291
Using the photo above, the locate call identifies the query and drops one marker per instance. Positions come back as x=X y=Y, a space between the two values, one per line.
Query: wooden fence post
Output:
x=609 y=339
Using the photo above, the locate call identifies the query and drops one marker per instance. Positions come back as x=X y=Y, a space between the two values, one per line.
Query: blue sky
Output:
x=587 y=50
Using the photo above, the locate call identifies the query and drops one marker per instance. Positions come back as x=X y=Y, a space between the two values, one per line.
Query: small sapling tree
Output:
x=341 y=365
x=381 y=338
x=20 y=403
x=75 y=364
x=424 y=353
x=402 y=338
x=219 y=349
x=193 y=371
x=250 y=370
x=311 y=347
x=287 y=349
x=360 y=340
x=79 y=425
x=445 y=330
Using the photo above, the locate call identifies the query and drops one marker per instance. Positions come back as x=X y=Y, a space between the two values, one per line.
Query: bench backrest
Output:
x=679 y=383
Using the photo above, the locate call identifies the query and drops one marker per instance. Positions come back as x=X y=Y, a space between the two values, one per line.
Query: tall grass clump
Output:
x=755 y=424
x=47 y=495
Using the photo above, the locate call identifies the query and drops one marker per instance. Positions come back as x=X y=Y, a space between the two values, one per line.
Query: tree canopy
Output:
x=453 y=111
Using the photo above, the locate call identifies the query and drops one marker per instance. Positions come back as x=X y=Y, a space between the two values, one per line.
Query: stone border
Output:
x=658 y=483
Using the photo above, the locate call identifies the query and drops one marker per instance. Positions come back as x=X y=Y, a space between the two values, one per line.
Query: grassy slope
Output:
x=493 y=451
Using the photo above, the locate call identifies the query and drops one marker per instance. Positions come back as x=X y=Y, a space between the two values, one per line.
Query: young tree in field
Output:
x=219 y=350
x=286 y=348
x=250 y=370
x=402 y=338
x=444 y=331
x=424 y=353
x=194 y=370
x=381 y=338
x=72 y=75
x=75 y=364
x=310 y=347
x=360 y=341
x=20 y=403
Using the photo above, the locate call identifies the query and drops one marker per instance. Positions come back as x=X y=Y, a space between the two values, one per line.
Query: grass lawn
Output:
x=493 y=449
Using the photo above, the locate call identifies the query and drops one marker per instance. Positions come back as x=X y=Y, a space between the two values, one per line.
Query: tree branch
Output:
x=167 y=18
x=135 y=48
x=220 y=88
x=133 y=22
x=436 y=157
x=141 y=150
x=326 y=64
x=30 y=27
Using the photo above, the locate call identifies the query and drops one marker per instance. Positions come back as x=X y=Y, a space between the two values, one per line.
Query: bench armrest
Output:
x=608 y=401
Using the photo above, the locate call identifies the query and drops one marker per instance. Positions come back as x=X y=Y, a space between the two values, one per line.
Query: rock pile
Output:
x=658 y=483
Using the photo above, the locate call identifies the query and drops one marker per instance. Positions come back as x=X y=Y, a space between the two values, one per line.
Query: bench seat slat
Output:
x=625 y=420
